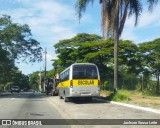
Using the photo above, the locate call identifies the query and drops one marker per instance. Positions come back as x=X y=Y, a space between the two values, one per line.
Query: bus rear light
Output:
x=99 y=82
x=71 y=84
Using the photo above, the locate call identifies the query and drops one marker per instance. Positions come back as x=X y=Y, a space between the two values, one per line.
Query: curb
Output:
x=157 y=111
x=137 y=107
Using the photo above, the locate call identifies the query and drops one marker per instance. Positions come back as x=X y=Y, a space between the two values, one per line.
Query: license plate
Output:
x=85 y=92
x=85 y=82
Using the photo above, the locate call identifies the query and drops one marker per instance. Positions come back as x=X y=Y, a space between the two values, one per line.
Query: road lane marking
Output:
x=12 y=98
x=137 y=107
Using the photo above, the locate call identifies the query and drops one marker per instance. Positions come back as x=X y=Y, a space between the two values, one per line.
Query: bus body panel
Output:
x=87 y=91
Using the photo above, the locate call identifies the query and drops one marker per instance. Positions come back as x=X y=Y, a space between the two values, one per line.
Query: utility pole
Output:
x=45 y=70
x=40 y=81
x=45 y=62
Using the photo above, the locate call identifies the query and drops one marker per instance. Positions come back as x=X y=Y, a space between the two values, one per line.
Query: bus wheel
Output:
x=60 y=97
x=66 y=99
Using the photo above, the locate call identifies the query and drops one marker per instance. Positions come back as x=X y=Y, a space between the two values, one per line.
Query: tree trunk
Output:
x=4 y=87
x=142 y=85
x=158 y=82
x=115 y=64
x=116 y=39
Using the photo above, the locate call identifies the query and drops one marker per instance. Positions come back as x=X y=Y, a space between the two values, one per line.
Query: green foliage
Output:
x=150 y=56
x=113 y=17
x=16 y=44
x=20 y=80
x=93 y=50
x=18 y=41
x=35 y=86
x=34 y=80
x=50 y=74
x=150 y=93
x=150 y=52
x=104 y=86
x=121 y=95
x=127 y=81
x=68 y=50
x=6 y=66
x=133 y=59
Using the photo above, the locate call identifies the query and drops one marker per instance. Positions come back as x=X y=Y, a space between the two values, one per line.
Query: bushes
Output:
x=107 y=85
x=128 y=82
x=121 y=95
x=104 y=85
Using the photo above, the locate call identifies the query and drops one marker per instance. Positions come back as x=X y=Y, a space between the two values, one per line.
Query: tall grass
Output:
x=121 y=95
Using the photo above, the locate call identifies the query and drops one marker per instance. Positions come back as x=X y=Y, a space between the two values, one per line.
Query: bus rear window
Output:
x=85 y=72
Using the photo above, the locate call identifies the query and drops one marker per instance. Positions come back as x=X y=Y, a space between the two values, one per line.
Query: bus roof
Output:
x=78 y=64
x=83 y=64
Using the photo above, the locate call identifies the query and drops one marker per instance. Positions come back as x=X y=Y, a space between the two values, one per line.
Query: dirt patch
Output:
x=146 y=100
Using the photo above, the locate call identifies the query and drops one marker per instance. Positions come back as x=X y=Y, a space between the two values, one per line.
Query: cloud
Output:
x=45 y=18
x=128 y=34
x=148 y=21
x=49 y=21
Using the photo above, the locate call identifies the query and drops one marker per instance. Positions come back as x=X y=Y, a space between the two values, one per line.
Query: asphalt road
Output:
x=100 y=109
x=27 y=105
x=32 y=105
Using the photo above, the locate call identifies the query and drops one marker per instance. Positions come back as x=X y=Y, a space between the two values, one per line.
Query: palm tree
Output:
x=113 y=17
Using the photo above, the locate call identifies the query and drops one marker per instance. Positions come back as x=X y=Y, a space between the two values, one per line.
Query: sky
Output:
x=54 y=20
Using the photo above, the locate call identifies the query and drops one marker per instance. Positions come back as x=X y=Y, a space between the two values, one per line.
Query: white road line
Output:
x=12 y=98
x=157 y=111
x=137 y=107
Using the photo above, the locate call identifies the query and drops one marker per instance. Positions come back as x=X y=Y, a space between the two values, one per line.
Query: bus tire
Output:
x=60 y=97
x=66 y=99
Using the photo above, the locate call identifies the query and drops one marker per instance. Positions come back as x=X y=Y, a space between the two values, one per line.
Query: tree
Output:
x=114 y=14
x=16 y=43
x=19 y=79
x=34 y=80
x=6 y=66
x=50 y=74
x=64 y=47
x=17 y=40
x=98 y=52
x=150 y=54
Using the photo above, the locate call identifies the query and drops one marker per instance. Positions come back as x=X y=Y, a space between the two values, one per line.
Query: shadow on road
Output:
x=94 y=101
x=23 y=95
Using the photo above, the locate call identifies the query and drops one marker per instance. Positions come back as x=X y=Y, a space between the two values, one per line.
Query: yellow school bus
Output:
x=79 y=80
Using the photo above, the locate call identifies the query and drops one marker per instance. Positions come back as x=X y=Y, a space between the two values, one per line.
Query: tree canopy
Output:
x=94 y=51
x=16 y=45
x=17 y=40
x=113 y=16
x=133 y=59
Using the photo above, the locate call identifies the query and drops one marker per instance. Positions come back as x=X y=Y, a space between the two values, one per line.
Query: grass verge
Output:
x=121 y=95
x=144 y=99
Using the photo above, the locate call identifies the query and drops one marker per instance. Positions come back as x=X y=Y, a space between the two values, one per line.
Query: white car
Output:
x=15 y=89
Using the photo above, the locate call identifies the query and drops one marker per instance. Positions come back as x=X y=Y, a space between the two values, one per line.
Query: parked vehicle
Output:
x=15 y=89
x=79 y=80
x=51 y=86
